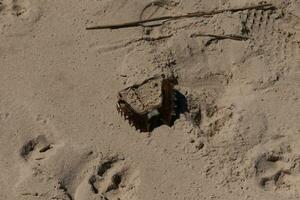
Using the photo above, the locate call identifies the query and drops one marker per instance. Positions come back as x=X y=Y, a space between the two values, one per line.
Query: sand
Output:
x=62 y=138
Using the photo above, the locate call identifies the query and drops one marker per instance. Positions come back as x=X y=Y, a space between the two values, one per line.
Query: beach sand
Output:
x=61 y=136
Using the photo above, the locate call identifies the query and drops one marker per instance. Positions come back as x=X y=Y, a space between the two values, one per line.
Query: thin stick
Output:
x=175 y=17
x=222 y=37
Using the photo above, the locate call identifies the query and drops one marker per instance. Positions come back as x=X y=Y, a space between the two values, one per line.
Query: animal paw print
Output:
x=18 y=17
x=4 y=116
x=14 y=7
x=18 y=7
x=275 y=172
x=37 y=153
x=113 y=179
x=268 y=169
x=36 y=148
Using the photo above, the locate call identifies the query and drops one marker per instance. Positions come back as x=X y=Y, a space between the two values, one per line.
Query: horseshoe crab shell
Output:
x=149 y=104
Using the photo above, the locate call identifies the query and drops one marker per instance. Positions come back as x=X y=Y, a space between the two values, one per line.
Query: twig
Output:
x=175 y=17
x=222 y=37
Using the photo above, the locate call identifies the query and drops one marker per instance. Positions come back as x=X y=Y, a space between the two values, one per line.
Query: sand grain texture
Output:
x=61 y=136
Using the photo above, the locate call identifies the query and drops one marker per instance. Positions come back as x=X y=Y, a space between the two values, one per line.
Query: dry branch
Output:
x=175 y=17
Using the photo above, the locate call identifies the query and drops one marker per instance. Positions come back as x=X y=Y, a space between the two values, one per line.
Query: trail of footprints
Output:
x=113 y=178
x=108 y=178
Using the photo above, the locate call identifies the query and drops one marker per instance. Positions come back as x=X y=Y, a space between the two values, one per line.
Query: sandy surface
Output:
x=61 y=136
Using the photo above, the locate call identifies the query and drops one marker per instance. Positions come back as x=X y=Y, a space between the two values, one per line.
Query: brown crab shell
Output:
x=137 y=103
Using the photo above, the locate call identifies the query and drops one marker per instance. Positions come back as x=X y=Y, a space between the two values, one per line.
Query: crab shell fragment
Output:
x=148 y=104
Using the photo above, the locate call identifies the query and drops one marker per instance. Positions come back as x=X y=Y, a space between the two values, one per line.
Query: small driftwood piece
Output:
x=175 y=17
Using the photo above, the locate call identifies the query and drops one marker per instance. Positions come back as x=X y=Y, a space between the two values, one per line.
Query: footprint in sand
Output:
x=4 y=116
x=36 y=180
x=50 y=170
x=277 y=171
x=18 y=17
x=36 y=148
x=269 y=168
x=112 y=179
x=62 y=171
